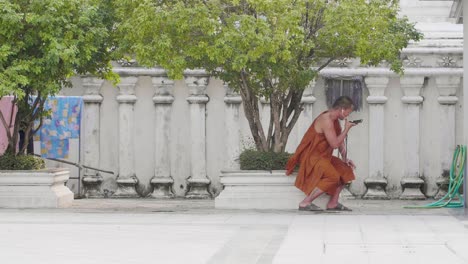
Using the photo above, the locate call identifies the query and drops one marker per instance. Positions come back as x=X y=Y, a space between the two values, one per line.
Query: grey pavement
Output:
x=131 y=231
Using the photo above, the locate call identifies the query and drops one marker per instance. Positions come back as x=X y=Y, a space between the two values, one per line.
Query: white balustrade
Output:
x=447 y=87
x=232 y=102
x=376 y=181
x=91 y=134
x=411 y=181
x=162 y=181
x=127 y=179
x=198 y=181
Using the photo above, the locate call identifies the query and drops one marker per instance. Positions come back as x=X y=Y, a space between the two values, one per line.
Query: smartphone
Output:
x=356 y=121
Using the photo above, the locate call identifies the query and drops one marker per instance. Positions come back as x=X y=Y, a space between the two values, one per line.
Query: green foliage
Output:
x=44 y=43
x=263 y=48
x=9 y=161
x=266 y=37
x=259 y=160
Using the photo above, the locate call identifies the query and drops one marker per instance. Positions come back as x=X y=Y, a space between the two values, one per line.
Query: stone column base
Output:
x=375 y=188
x=92 y=186
x=126 y=188
x=412 y=189
x=162 y=187
x=443 y=184
x=198 y=189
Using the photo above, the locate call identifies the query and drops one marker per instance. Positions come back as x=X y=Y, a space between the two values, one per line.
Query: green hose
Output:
x=453 y=198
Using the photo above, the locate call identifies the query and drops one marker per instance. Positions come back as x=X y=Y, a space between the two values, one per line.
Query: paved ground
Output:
x=137 y=231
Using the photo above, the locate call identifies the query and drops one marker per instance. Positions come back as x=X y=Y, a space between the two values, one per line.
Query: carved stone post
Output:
x=265 y=113
x=232 y=135
x=198 y=182
x=411 y=181
x=376 y=181
x=127 y=179
x=91 y=132
x=162 y=181
x=306 y=117
x=447 y=86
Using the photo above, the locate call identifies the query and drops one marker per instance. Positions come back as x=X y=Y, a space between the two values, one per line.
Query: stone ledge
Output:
x=35 y=189
x=258 y=190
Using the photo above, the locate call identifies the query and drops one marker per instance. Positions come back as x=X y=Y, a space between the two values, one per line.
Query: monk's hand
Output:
x=348 y=125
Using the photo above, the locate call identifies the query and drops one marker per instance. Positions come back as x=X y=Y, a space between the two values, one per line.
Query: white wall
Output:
x=438 y=54
x=430 y=137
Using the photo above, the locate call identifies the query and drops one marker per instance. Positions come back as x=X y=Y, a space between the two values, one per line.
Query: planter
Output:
x=258 y=190
x=35 y=189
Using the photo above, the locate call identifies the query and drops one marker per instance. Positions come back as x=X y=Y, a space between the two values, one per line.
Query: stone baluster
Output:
x=265 y=114
x=231 y=118
x=411 y=181
x=306 y=117
x=447 y=86
x=376 y=181
x=198 y=182
x=91 y=132
x=162 y=181
x=127 y=179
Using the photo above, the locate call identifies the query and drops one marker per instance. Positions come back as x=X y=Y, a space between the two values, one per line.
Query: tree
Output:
x=42 y=44
x=263 y=48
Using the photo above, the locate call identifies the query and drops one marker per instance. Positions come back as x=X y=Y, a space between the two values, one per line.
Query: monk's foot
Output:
x=309 y=207
x=338 y=207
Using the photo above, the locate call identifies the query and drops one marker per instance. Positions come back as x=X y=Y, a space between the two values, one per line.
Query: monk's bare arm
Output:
x=342 y=150
x=333 y=139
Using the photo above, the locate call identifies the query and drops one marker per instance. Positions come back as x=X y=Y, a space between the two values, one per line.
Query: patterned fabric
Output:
x=6 y=104
x=62 y=124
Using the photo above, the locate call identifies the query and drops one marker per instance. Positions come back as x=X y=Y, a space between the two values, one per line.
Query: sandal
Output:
x=339 y=207
x=310 y=207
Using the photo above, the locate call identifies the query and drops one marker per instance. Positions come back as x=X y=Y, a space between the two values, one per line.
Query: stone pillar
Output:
x=376 y=181
x=198 y=182
x=265 y=114
x=232 y=135
x=126 y=180
x=162 y=181
x=447 y=86
x=465 y=101
x=91 y=132
x=411 y=181
x=306 y=117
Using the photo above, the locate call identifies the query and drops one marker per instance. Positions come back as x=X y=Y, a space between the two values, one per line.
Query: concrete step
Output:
x=427 y=11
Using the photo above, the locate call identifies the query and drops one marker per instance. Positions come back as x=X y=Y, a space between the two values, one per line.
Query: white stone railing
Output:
x=166 y=138
x=172 y=138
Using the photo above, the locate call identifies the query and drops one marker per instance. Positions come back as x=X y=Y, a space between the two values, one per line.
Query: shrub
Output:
x=259 y=160
x=21 y=162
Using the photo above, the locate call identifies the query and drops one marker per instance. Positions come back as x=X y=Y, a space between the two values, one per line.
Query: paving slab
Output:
x=138 y=231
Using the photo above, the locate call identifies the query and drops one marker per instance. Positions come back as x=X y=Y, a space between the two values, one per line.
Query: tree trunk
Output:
x=252 y=113
x=285 y=110
x=24 y=121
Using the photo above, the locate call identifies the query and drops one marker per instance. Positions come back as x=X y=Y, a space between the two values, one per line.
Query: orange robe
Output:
x=318 y=167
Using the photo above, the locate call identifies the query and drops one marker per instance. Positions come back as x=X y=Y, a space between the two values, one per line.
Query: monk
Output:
x=319 y=171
